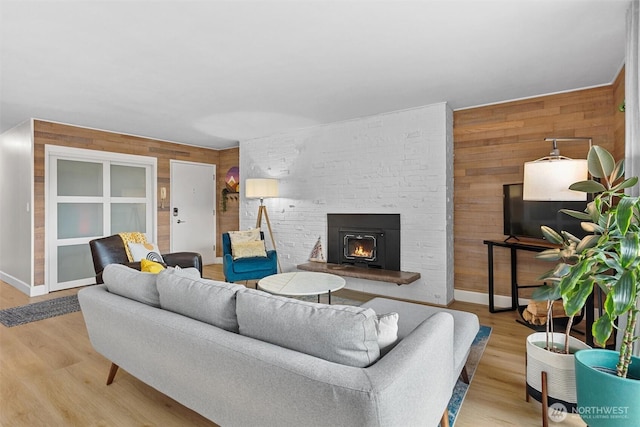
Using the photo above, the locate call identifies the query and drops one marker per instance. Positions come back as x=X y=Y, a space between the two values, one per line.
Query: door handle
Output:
x=180 y=221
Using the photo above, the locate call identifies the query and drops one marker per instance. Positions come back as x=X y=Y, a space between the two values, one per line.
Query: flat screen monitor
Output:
x=524 y=218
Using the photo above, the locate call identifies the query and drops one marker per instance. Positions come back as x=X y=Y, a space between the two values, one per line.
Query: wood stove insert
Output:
x=364 y=240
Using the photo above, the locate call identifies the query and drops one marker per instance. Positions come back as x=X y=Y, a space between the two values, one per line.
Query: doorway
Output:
x=193 y=214
x=91 y=194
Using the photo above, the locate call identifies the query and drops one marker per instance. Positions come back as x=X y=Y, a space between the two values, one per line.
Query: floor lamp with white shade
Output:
x=263 y=188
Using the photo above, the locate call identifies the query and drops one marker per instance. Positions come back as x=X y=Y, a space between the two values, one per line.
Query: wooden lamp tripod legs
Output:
x=262 y=210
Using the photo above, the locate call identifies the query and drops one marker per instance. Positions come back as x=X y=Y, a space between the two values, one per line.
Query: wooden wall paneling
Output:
x=228 y=220
x=79 y=137
x=491 y=145
x=38 y=230
x=618 y=118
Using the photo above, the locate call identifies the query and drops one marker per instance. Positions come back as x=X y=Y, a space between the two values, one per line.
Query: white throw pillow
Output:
x=387 y=326
x=188 y=272
x=148 y=251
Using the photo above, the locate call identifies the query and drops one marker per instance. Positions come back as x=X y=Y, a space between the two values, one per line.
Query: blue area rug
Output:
x=460 y=390
x=16 y=316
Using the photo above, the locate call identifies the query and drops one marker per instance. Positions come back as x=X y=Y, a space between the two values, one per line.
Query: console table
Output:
x=514 y=247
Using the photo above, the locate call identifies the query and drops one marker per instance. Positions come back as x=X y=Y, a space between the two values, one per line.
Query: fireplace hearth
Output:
x=364 y=240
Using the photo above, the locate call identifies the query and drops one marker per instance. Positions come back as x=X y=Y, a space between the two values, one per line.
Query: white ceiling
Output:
x=211 y=73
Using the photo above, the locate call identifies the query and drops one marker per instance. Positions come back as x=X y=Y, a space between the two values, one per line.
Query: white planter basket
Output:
x=560 y=368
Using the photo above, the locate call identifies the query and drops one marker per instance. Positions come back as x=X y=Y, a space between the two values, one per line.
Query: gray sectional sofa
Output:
x=242 y=357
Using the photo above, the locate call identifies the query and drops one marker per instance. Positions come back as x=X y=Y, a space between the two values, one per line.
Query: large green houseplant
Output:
x=608 y=258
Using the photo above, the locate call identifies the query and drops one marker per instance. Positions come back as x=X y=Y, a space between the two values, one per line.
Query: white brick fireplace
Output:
x=399 y=162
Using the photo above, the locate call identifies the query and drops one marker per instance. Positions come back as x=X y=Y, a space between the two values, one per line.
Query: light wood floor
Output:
x=51 y=376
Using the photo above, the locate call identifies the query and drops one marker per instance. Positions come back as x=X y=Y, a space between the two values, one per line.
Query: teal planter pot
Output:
x=604 y=399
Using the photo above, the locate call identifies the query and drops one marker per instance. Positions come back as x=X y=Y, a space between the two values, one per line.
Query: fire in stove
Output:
x=361 y=252
x=361 y=247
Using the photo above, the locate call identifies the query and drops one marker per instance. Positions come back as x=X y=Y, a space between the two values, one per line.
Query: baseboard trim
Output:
x=25 y=288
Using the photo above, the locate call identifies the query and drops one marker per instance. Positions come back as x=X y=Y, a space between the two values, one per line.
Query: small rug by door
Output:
x=460 y=390
x=23 y=314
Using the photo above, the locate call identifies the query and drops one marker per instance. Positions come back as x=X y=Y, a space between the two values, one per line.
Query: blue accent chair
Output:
x=253 y=268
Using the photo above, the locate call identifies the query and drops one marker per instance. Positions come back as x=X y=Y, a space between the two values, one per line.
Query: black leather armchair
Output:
x=110 y=250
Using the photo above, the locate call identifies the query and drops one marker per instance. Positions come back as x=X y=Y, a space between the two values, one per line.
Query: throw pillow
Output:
x=150 y=251
x=387 y=326
x=132 y=237
x=244 y=236
x=189 y=272
x=248 y=249
x=150 y=266
x=131 y=283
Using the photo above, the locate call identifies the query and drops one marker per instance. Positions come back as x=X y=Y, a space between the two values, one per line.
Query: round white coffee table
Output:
x=300 y=283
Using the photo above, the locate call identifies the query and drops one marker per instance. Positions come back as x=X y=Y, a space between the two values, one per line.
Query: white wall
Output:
x=398 y=162
x=16 y=209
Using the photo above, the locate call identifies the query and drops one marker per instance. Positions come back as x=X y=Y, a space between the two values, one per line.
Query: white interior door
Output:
x=193 y=216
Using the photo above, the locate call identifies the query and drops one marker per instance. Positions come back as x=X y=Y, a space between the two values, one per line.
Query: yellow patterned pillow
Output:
x=248 y=249
x=150 y=266
x=244 y=236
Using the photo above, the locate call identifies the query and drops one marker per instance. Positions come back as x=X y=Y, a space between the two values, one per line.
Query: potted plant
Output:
x=550 y=354
x=226 y=195
x=551 y=370
x=609 y=258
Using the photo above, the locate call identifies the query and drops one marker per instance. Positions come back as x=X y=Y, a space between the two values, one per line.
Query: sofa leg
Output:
x=112 y=373
x=444 y=422
x=464 y=375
